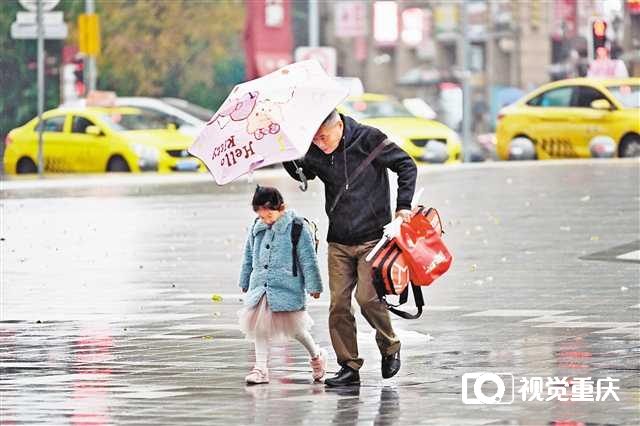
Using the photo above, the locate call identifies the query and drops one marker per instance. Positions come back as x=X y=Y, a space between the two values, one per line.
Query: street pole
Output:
x=90 y=60
x=466 y=85
x=39 y=20
x=314 y=24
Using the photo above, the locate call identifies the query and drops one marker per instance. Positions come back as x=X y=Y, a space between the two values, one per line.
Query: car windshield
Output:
x=372 y=109
x=197 y=111
x=627 y=95
x=122 y=122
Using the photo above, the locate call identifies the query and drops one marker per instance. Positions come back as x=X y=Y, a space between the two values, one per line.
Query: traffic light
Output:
x=78 y=74
x=598 y=36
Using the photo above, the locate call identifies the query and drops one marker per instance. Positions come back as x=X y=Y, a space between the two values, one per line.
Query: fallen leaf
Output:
x=216 y=298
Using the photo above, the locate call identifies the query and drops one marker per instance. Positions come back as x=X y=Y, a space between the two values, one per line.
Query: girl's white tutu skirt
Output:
x=276 y=326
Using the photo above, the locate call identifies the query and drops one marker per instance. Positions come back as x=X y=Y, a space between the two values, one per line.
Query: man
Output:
x=351 y=160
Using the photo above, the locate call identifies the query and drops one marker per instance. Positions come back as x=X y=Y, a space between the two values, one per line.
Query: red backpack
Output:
x=416 y=257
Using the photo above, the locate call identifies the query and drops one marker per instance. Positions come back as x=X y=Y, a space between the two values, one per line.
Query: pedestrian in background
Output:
x=352 y=160
x=275 y=302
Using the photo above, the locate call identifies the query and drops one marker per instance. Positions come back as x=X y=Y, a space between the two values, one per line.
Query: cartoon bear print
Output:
x=264 y=119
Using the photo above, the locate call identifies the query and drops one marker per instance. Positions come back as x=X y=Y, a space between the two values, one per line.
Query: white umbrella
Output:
x=267 y=120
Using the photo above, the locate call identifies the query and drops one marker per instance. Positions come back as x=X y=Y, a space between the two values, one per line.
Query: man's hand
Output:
x=315 y=294
x=405 y=215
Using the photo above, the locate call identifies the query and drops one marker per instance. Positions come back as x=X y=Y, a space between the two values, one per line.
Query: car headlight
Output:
x=145 y=151
x=147 y=156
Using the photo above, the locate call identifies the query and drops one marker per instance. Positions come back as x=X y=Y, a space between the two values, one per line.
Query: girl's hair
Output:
x=267 y=197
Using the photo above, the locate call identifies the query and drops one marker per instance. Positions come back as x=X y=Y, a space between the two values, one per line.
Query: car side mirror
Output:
x=93 y=130
x=601 y=104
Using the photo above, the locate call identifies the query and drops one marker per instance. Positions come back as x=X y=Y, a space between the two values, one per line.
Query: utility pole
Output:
x=466 y=84
x=40 y=33
x=90 y=60
x=314 y=24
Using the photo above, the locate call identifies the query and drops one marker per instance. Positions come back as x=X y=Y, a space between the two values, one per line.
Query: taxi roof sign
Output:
x=101 y=98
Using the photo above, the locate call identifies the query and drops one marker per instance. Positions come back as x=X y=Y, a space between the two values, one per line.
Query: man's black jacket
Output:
x=364 y=207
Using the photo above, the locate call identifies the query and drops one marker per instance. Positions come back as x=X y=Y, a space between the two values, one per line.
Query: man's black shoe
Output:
x=345 y=377
x=390 y=365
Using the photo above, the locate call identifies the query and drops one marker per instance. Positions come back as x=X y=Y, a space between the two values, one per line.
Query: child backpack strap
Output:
x=296 y=230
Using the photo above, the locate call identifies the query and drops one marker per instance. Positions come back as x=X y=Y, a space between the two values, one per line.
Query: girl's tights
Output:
x=262 y=348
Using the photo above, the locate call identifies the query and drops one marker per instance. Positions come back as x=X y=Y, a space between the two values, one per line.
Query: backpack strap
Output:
x=417 y=297
x=296 y=230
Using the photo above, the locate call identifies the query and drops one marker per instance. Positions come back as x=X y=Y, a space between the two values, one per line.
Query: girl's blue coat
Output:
x=267 y=266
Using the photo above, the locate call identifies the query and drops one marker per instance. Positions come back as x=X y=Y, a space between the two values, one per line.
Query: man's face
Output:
x=327 y=138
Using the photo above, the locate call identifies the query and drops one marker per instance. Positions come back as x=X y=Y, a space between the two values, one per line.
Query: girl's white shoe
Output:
x=257 y=376
x=319 y=365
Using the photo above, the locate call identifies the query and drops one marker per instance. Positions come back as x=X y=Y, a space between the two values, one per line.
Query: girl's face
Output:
x=269 y=216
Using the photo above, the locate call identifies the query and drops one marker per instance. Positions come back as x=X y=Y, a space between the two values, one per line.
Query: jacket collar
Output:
x=347 y=130
x=279 y=227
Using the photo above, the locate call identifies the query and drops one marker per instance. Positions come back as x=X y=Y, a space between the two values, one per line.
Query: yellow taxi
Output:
x=425 y=140
x=99 y=139
x=573 y=118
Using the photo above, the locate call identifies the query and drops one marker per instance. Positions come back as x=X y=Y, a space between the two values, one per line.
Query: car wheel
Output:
x=118 y=164
x=26 y=165
x=630 y=146
x=522 y=148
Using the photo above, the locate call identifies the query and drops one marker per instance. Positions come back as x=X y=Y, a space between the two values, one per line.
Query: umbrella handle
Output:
x=303 y=187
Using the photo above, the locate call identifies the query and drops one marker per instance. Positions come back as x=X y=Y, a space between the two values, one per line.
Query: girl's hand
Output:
x=244 y=290
x=315 y=295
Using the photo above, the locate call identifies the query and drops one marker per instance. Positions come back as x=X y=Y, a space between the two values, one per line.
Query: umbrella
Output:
x=267 y=120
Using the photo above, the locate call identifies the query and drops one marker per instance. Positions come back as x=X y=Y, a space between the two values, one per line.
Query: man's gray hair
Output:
x=331 y=119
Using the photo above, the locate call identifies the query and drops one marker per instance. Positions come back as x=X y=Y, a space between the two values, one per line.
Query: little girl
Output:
x=275 y=301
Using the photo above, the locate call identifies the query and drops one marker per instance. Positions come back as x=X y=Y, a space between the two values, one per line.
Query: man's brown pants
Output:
x=348 y=270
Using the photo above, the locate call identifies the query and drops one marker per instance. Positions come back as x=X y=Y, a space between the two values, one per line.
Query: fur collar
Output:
x=279 y=227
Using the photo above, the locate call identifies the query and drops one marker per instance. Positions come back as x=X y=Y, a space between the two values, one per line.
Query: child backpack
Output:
x=414 y=258
x=296 y=230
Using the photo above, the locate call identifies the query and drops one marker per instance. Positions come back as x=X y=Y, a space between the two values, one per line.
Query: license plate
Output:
x=186 y=165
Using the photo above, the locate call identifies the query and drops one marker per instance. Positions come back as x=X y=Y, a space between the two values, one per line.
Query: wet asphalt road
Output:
x=108 y=317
